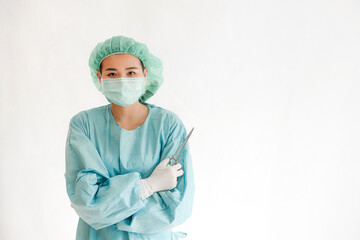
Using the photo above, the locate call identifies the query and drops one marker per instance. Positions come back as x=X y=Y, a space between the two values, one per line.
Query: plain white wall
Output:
x=271 y=87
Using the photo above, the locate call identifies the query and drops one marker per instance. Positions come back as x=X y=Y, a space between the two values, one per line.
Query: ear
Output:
x=146 y=72
x=98 y=75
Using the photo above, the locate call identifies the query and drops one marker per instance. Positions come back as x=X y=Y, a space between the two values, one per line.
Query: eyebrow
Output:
x=114 y=69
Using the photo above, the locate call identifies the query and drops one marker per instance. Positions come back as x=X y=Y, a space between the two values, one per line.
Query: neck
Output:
x=127 y=113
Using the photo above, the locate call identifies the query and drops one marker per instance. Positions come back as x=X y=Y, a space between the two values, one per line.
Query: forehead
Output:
x=121 y=59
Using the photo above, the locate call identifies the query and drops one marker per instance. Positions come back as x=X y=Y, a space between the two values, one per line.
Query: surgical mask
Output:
x=123 y=91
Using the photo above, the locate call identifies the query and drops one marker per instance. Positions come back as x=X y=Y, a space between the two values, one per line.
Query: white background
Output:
x=271 y=87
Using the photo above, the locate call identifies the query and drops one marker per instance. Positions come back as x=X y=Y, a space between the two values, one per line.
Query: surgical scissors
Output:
x=174 y=159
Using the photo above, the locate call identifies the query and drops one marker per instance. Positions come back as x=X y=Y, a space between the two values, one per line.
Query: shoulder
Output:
x=83 y=116
x=170 y=121
x=164 y=114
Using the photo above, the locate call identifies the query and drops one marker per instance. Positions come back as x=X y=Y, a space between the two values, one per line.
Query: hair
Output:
x=142 y=66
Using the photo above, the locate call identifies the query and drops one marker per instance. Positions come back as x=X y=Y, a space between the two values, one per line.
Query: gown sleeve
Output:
x=167 y=209
x=100 y=200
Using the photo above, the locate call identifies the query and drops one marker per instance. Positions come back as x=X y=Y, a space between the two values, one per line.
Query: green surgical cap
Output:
x=121 y=44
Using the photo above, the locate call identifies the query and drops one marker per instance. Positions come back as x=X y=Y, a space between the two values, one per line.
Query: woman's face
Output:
x=121 y=66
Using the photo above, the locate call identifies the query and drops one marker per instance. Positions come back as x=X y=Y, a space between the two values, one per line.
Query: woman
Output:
x=118 y=176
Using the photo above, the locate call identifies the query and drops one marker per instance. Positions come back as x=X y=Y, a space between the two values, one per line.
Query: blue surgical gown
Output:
x=104 y=165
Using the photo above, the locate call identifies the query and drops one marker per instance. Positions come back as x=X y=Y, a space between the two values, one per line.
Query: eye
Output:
x=131 y=73
x=111 y=74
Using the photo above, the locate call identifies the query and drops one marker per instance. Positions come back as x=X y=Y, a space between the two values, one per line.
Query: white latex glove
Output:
x=164 y=177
